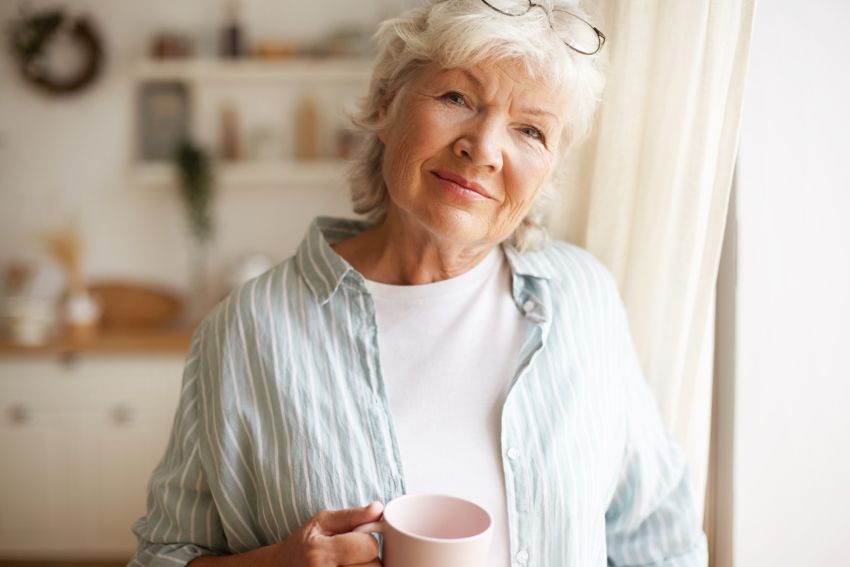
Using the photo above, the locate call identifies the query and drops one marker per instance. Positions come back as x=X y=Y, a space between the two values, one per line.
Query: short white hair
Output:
x=466 y=33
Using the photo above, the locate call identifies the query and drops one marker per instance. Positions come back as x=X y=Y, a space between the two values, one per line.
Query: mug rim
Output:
x=455 y=540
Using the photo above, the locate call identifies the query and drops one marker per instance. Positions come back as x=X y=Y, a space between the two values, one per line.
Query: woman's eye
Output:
x=454 y=98
x=533 y=133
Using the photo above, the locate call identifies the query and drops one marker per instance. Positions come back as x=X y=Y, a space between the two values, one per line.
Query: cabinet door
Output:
x=125 y=430
x=78 y=445
x=33 y=481
x=127 y=442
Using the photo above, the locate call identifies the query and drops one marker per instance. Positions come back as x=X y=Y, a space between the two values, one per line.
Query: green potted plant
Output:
x=197 y=186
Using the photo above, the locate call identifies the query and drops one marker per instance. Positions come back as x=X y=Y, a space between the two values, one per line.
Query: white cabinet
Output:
x=30 y=481
x=79 y=441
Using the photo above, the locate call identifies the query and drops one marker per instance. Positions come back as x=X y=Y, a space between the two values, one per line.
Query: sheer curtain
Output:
x=648 y=192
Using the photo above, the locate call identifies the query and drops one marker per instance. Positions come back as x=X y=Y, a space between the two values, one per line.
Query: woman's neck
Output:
x=391 y=252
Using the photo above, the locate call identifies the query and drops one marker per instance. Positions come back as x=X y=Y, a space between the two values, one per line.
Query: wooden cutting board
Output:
x=129 y=305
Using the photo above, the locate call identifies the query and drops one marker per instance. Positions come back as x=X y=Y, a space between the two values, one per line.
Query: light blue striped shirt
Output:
x=284 y=413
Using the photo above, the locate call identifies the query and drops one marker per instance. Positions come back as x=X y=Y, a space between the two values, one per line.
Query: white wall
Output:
x=70 y=157
x=792 y=397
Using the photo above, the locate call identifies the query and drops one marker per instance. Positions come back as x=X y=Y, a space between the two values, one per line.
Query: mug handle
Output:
x=371 y=527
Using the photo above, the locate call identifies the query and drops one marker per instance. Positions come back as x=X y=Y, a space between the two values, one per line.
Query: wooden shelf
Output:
x=282 y=173
x=161 y=341
x=198 y=74
x=292 y=71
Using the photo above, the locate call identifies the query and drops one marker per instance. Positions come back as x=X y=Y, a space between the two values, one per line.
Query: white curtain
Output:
x=648 y=192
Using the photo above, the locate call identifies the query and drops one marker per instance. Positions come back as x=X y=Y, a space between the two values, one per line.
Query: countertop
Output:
x=107 y=341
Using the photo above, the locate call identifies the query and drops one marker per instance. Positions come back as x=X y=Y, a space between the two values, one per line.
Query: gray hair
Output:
x=457 y=33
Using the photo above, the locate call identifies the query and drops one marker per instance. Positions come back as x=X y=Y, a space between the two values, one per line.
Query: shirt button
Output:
x=513 y=453
x=528 y=306
x=522 y=556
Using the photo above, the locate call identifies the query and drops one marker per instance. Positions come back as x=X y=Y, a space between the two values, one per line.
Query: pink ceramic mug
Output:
x=433 y=530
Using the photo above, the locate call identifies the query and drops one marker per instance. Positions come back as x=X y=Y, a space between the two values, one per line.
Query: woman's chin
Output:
x=459 y=226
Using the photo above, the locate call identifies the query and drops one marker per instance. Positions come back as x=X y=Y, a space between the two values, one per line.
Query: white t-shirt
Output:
x=449 y=351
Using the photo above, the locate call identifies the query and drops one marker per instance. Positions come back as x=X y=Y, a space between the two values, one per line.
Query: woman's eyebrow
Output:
x=537 y=111
x=530 y=110
x=472 y=78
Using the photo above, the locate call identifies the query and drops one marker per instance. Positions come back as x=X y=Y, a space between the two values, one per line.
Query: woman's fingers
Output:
x=353 y=549
x=326 y=540
x=343 y=521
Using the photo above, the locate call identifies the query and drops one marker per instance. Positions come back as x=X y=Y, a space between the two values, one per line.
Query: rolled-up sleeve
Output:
x=652 y=519
x=182 y=521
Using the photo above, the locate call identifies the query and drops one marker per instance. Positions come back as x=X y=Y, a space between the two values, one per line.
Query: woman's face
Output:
x=468 y=150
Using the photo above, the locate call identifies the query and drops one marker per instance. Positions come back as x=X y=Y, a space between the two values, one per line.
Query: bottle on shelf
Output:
x=230 y=143
x=307 y=129
x=233 y=33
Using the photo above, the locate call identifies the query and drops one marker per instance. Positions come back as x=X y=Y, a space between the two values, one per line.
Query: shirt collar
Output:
x=532 y=264
x=321 y=267
x=324 y=270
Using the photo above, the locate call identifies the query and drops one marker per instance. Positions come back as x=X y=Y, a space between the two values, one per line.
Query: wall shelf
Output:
x=263 y=91
x=289 y=71
x=258 y=173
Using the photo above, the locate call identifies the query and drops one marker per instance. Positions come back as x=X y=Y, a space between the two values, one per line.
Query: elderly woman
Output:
x=443 y=346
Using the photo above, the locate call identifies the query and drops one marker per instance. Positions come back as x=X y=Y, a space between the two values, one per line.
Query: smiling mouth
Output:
x=462 y=183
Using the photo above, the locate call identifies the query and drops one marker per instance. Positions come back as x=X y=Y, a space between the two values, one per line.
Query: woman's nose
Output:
x=482 y=142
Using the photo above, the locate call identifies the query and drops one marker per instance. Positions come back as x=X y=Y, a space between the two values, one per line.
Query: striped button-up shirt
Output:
x=283 y=413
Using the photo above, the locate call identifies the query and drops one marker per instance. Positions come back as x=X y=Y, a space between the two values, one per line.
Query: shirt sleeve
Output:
x=652 y=519
x=182 y=521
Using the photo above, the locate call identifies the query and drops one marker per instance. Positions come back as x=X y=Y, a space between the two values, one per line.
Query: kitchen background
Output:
x=130 y=219
x=85 y=413
x=91 y=197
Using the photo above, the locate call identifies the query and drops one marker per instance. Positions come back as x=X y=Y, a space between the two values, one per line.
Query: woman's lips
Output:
x=459 y=183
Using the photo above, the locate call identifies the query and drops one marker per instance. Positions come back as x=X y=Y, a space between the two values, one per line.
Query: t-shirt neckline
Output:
x=477 y=275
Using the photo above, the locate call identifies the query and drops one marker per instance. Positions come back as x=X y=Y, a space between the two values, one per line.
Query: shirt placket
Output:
x=531 y=297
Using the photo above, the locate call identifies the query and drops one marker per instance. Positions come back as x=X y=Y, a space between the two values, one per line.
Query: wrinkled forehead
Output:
x=473 y=34
x=540 y=67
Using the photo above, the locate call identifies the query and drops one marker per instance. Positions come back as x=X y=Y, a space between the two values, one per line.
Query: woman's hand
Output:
x=325 y=540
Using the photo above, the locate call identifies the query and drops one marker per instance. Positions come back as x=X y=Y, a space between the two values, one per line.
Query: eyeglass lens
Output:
x=572 y=30
x=577 y=33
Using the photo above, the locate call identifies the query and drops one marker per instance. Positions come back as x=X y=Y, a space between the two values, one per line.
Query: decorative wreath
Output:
x=31 y=38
